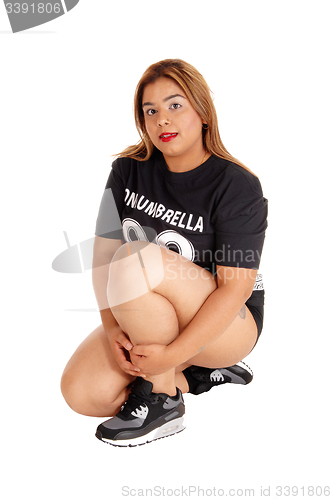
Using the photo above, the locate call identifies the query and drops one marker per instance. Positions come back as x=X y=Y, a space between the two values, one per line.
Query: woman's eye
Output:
x=175 y=106
x=150 y=112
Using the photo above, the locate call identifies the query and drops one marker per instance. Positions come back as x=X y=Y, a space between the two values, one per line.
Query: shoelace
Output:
x=134 y=401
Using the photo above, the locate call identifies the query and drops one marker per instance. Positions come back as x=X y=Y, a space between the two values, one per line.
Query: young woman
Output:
x=178 y=242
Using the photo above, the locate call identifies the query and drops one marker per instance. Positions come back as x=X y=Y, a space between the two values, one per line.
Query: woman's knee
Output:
x=73 y=392
x=85 y=399
x=136 y=268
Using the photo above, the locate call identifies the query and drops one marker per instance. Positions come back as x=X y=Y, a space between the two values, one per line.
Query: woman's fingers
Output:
x=141 y=350
x=130 y=369
x=122 y=339
x=121 y=346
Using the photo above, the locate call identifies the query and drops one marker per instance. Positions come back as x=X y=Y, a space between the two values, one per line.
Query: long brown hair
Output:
x=199 y=95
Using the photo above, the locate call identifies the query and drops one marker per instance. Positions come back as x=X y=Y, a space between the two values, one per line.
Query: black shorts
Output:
x=255 y=304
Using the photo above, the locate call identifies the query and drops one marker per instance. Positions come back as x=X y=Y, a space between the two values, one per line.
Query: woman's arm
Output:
x=235 y=286
x=103 y=252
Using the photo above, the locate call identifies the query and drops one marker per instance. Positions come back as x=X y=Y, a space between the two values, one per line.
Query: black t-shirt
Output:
x=213 y=215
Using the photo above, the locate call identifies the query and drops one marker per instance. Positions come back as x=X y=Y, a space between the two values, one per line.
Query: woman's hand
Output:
x=152 y=359
x=120 y=348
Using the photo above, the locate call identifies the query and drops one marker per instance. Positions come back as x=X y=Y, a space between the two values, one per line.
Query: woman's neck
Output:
x=185 y=163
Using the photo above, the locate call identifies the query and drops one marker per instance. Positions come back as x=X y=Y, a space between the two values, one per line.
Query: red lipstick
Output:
x=166 y=137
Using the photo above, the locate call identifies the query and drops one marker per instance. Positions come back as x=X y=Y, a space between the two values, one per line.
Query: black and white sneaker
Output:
x=203 y=379
x=144 y=417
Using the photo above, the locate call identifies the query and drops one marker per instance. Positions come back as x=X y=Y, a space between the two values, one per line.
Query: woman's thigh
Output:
x=233 y=345
x=92 y=382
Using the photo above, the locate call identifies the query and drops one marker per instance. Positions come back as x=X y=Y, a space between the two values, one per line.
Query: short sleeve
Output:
x=108 y=224
x=240 y=222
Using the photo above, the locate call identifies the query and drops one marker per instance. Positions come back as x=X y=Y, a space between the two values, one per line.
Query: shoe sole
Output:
x=169 y=429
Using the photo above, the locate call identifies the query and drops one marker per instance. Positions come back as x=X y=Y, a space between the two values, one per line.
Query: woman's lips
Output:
x=167 y=137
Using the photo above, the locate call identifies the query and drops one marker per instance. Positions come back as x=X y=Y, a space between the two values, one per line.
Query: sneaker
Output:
x=144 y=417
x=209 y=377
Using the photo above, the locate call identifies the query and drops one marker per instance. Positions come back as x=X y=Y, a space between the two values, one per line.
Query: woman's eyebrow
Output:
x=165 y=100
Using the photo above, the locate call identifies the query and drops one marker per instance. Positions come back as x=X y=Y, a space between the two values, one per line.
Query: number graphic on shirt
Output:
x=132 y=231
x=131 y=225
x=173 y=239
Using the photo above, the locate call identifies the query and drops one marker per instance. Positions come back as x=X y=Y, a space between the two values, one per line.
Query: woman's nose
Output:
x=162 y=121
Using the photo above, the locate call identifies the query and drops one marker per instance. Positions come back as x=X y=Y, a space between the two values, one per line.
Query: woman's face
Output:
x=173 y=125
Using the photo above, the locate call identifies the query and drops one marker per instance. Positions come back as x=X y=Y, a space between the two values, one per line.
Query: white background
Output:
x=66 y=106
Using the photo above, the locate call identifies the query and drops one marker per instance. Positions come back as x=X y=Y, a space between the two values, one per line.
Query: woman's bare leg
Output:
x=92 y=382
